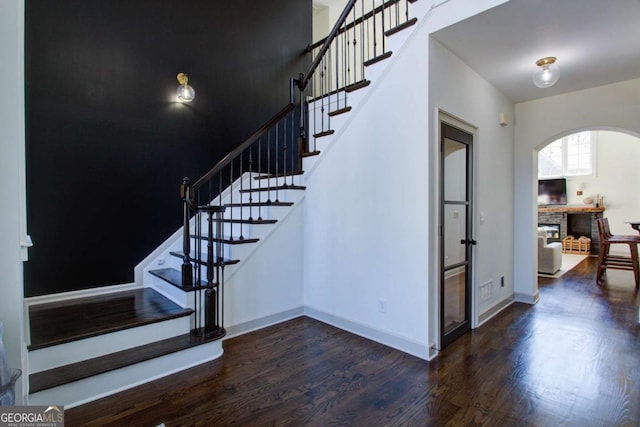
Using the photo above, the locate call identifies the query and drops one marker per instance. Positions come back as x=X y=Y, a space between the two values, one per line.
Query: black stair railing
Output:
x=357 y=41
x=221 y=206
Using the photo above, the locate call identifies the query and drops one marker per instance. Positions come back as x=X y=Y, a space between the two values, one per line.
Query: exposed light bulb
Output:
x=185 y=92
x=548 y=72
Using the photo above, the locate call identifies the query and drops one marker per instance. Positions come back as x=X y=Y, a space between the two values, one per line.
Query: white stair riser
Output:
x=89 y=389
x=75 y=351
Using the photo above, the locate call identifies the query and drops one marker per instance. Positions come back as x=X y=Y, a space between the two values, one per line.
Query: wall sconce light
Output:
x=185 y=92
x=548 y=72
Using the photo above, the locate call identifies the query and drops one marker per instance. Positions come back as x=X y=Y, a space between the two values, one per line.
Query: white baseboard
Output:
x=421 y=350
x=526 y=298
x=263 y=322
x=493 y=311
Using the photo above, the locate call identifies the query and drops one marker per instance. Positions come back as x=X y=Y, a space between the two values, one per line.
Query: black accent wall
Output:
x=107 y=144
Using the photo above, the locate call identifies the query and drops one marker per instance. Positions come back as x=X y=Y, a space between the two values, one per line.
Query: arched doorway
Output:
x=609 y=107
x=577 y=172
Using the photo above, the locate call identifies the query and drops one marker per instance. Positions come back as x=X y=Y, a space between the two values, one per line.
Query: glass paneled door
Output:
x=455 y=232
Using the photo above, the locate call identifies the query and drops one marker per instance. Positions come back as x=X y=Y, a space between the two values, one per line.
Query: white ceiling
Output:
x=596 y=43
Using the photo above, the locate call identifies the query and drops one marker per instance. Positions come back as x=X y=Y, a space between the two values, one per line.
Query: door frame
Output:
x=440 y=116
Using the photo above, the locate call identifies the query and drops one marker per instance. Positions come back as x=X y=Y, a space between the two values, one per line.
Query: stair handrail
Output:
x=304 y=78
x=272 y=144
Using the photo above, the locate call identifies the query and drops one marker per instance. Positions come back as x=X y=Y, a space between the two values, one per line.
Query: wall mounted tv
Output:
x=552 y=191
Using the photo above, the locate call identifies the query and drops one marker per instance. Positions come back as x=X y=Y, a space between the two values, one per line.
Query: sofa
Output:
x=549 y=254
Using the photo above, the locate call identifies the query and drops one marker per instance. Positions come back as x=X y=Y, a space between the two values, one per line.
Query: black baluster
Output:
x=284 y=150
x=406 y=10
x=375 y=39
x=293 y=119
x=345 y=60
x=337 y=74
x=277 y=154
x=185 y=195
x=362 y=43
x=241 y=188
x=269 y=166
x=219 y=268
x=231 y=200
x=259 y=174
x=355 y=49
x=322 y=91
x=209 y=311
x=221 y=300
x=382 y=28
x=251 y=183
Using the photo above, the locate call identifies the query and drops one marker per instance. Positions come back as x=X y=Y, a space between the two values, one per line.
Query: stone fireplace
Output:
x=574 y=221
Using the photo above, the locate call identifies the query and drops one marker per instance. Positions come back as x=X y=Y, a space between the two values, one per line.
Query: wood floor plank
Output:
x=572 y=359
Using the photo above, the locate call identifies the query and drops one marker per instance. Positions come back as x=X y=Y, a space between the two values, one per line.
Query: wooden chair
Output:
x=615 y=261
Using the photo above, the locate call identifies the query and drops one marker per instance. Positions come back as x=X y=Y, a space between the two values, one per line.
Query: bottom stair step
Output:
x=76 y=371
x=82 y=318
x=83 y=390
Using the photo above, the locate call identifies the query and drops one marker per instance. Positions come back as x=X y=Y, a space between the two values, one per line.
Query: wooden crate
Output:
x=581 y=245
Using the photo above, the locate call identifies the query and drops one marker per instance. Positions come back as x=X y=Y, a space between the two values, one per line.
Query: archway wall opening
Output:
x=614 y=107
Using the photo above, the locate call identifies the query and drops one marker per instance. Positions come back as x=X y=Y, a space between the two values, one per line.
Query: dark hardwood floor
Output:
x=573 y=359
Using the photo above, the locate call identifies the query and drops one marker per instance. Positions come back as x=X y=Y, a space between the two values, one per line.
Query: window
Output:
x=569 y=156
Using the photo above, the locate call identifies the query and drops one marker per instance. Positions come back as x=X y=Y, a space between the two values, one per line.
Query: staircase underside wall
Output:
x=369 y=211
x=268 y=283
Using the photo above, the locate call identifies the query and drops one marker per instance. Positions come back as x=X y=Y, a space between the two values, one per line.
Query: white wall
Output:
x=461 y=92
x=12 y=192
x=617 y=177
x=612 y=107
x=269 y=281
x=368 y=202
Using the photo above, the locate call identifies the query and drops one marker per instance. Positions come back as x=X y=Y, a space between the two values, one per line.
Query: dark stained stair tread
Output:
x=279 y=187
x=377 y=59
x=339 y=111
x=250 y=221
x=349 y=88
x=358 y=85
x=310 y=153
x=324 y=133
x=230 y=241
x=401 y=27
x=256 y=204
x=203 y=259
x=65 y=321
x=278 y=175
x=76 y=371
x=174 y=277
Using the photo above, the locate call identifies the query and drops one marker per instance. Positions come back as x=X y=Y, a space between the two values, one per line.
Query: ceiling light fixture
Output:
x=185 y=92
x=547 y=73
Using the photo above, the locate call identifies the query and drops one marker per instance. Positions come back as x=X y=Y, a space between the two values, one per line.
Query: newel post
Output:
x=187 y=268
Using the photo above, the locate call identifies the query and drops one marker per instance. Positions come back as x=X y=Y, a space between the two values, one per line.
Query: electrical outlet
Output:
x=382 y=305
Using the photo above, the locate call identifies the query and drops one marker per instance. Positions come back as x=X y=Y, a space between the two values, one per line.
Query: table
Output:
x=635 y=224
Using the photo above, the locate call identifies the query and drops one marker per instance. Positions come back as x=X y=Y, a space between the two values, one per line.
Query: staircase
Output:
x=84 y=348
